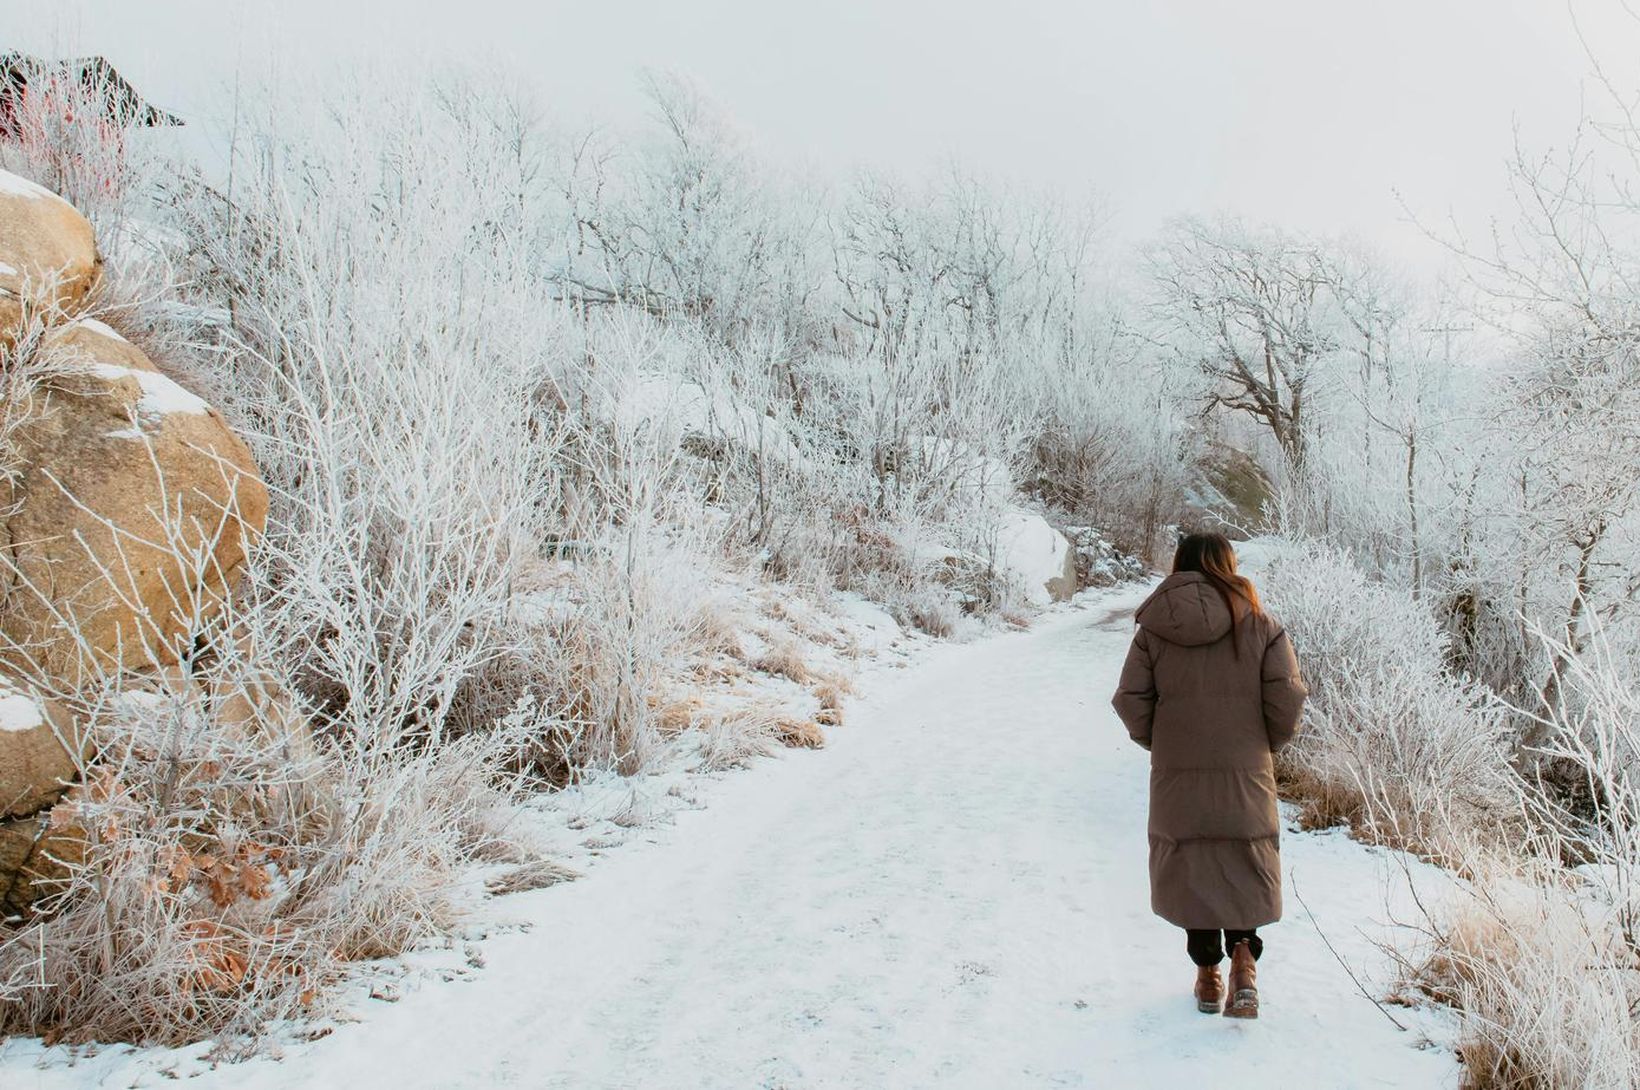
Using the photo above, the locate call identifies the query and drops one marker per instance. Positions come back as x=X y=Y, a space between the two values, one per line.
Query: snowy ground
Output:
x=952 y=893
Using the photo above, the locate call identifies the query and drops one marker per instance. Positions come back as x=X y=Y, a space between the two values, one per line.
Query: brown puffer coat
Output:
x=1212 y=713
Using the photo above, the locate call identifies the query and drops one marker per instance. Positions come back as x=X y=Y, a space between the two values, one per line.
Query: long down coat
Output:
x=1212 y=712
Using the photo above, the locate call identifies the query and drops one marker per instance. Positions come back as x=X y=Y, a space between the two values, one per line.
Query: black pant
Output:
x=1205 y=949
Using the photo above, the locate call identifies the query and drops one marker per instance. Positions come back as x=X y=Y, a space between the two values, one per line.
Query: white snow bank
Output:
x=874 y=628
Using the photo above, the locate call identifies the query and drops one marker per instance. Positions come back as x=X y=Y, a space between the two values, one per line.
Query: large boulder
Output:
x=1036 y=554
x=131 y=512
x=48 y=256
x=130 y=505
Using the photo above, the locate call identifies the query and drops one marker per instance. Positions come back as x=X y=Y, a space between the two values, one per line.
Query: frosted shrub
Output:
x=1545 y=984
x=1544 y=960
x=1113 y=454
x=230 y=865
x=636 y=616
x=1394 y=742
x=387 y=350
x=69 y=136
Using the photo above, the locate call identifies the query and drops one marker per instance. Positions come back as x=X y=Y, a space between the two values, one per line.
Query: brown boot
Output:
x=1243 y=983
x=1209 y=989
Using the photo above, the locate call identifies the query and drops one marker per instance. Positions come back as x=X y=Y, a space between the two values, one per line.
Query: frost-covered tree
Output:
x=1563 y=286
x=1252 y=307
x=686 y=224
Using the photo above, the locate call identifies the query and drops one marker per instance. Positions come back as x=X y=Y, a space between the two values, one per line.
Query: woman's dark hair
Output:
x=1211 y=556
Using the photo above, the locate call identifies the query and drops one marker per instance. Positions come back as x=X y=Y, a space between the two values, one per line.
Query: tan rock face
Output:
x=38 y=750
x=36 y=853
x=130 y=518
x=48 y=255
x=1062 y=587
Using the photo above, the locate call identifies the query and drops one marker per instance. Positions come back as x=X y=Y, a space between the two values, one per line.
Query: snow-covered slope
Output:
x=952 y=894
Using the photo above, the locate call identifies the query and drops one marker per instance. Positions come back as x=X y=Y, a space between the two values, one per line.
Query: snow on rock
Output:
x=1037 y=554
x=1099 y=563
x=36 y=762
x=1019 y=541
x=160 y=395
x=101 y=328
x=18 y=710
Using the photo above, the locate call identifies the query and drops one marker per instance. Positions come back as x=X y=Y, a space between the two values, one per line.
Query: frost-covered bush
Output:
x=1394 y=742
x=217 y=865
x=374 y=329
x=1545 y=985
x=1115 y=453
x=1544 y=959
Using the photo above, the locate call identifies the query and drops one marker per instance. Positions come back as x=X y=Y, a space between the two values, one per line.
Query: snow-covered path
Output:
x=952 y=894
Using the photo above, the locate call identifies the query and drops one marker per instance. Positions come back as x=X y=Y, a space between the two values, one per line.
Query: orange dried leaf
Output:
x=254 y=880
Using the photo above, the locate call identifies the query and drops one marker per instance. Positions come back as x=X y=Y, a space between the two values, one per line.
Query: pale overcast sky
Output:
x=1307 y=112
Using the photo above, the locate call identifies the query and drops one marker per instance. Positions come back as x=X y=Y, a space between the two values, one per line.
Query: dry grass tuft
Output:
x=1546 y=987
x=673 y=717
x=537 y=875
x=718 y=630
x=783 y=659
x=1015 y=618
x=831 y=692
x=1323 y=803
x=799 y=733
x=734 y=739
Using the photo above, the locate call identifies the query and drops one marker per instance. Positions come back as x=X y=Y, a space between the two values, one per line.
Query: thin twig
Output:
x=1396 y=1022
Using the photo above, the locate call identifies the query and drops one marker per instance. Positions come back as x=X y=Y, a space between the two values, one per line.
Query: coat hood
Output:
x=1187 y=610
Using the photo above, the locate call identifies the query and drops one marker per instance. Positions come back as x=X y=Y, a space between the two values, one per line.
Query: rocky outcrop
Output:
x=1231 y=492
x=48 y=256
x=41 y=752
x=1100 y=563
x=29 y=83
x=130 y=516
x=127 y=509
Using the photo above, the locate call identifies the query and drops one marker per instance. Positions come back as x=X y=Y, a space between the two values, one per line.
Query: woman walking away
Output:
x=1211 y=688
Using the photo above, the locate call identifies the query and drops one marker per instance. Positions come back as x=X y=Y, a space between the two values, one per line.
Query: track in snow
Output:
x=952 y=894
